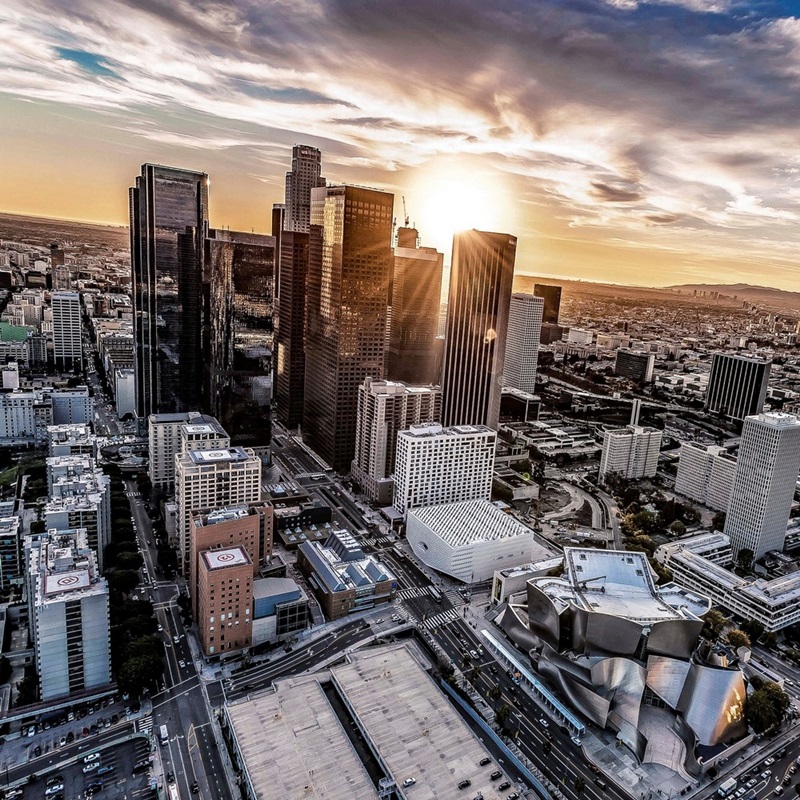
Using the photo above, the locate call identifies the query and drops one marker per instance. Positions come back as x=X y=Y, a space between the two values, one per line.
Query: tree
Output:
x=737 y=638
x=677 y=528
x=123 y=580
x=718 y=523
x=715 y=623
x=753 y=629
x=140 y=672
x=127 y=560
x=744 y=560
x=760 y=712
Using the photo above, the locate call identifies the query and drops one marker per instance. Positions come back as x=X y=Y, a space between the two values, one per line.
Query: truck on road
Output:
x=726 y=787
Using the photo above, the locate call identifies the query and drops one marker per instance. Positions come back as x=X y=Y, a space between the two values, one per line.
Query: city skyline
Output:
x=620 y=141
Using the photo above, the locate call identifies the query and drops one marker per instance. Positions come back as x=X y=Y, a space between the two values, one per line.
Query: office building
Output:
x=174 y=434
x=522 y=342
x=61 y=279
x=304 y=176
x=68 y=610
x=350 y=266
x=343 y=577
x=437 y=465
x=224 y=600
x=70 y=406
x=11 y=572
x=764 y=483
x=212 y=479
x=67 y=341
x=124 y=379
x=71 y=440
x=9 y=373
x=737 y=385
x=384 y=408
x=477 y=322
x=552 y=333
x=25 y=416
x=470 y=540
x=168 y=222
x=414 y=352
x=774 y=603
x=246 y=526
x=714 y=547
x=630 y=452
x=579 y=336
x=290 y=355
x=280 y=609
x=636 y=367
x=705 y=474
x=551 y=295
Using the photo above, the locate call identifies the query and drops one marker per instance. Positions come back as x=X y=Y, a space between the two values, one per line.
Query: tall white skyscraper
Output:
x=384 y=408
x=304 y=176
x=631 y=452
x=522 y=342
x=705 y=474
x=437 y=465
x=764 y=483
x=67 y=345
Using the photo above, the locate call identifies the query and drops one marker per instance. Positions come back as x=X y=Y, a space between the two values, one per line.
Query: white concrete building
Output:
x=580 y=336
x=213 y=479
x=26 y=415
x=470 y=540
x=522 y=341
x=631 y=452
x=384 y=408
x=764 y=483
x=67 y=344
x=71 y=440
x=10 y=375
x=125 y=391
x=775 y=603
x=705 y=474
x=443 y=465
x=714 y=546
x=68 y=608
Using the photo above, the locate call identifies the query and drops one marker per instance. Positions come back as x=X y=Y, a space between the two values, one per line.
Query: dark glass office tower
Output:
x=238 y=350
x=304 y=176
x=416 y=296
x=552 y=301
x=289 y=351
x=349 y=273
x=477 y=323
x=168 y=221
x=737 y=385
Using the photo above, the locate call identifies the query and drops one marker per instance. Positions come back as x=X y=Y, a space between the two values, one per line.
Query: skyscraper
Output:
x=168 y=220
x=384 y=408
x=350 y=267
x=552 y=301
x=304 y=176
x=67 y=342
x=764 y=483
x=416 y=294
x=289 y=350
x=522 y=341
x=737 y=385
x=477 y=322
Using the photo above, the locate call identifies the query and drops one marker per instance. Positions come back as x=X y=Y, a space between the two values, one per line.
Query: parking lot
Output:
x=107 y=773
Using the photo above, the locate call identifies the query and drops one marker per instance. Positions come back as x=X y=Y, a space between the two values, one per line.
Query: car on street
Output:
x=575 y=740
x=170 y=777
x=91 y=757
x=195 y=787
x=181 y=663
x=504 y=785
x=409 y=782
x=543 y=722
x=54 y=789
x=91 y=767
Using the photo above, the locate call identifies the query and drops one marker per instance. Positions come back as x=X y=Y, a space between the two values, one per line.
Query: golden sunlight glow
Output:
x=449 y=197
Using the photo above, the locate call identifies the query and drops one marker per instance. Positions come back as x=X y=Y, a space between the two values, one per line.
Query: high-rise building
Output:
x=437 y=465
x=212 y=479
x=552 y=301
x=168 y=221
x=305 y=176
x=737 y=385
x=350 y=267
x=246 y=526
x=61 y=279
x=224 y=600
x=384 y=408
x=764 y=483
x=477 y=322
x=630 y=452
x=414 y=350
x=705 y=474
x=637 y=367
x=522 y=341
x=68 y=610
x=11 y=571
x=67 y=341
x=290 y=354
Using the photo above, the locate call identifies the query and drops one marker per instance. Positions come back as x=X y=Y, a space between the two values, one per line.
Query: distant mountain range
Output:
x=763 y=295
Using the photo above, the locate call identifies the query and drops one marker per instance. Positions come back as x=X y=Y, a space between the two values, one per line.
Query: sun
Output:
x=450 y=197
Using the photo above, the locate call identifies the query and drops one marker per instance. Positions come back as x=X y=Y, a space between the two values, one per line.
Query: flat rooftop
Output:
x=294 y=745
x=413 y=726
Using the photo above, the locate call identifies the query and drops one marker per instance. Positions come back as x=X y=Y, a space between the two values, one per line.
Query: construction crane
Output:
x=405 y=212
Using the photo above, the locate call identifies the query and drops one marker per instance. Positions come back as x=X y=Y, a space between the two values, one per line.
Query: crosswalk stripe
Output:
x=412 y=591
x=442 y=618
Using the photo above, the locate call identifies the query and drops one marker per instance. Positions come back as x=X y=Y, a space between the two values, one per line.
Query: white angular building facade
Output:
x=631 y=452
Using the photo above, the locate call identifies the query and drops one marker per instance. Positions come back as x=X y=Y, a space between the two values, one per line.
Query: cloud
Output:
x=615 y=116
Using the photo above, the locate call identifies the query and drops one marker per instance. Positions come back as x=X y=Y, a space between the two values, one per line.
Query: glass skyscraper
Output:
x=350 y=269
x=168 y=221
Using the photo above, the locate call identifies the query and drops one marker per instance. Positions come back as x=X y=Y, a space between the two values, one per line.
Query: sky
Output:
x=647 y=142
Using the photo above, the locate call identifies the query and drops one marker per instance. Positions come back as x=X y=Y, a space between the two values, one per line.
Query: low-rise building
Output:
x=343 y=577
x=470 y=540
x=71 y=440
x=280 y=609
